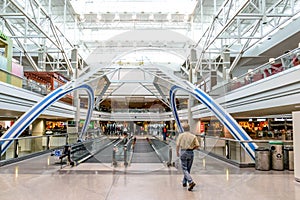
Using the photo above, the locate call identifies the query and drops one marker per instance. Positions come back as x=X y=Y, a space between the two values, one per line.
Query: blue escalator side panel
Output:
x=90 y=108
x=173 y=106
x=27 y=118
x=237 y=132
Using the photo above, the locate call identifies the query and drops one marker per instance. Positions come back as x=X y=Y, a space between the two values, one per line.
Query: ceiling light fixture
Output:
x=117 y=17
x=133 y=16
x=81 y=17
x=169 y=17
x=99 y=17
x=186 y=17
x=151 y=17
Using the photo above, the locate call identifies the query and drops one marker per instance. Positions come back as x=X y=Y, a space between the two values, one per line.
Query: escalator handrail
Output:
x=161 y=158
x=96 y=152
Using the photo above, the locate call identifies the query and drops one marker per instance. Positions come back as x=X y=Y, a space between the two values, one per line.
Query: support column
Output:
x=134 y=129
x=42 y=58
x=76 y=100
x=191 y=100
x=226 y=63
x=38 y=127
x=296 y=141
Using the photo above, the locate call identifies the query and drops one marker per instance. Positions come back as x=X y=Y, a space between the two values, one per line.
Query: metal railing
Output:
x=35 y=86
x=25 y=146
x=83 y=150
x=274 y=66
x=28 y=145
x=163 y=150
x=231 y=149
x=122 y=152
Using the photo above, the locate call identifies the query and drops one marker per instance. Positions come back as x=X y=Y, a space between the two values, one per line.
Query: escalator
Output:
x=144 y=153
x=116 y=152
x=104 y=155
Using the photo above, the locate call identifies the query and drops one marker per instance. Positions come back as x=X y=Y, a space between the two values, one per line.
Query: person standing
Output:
x=186 y=143
x=164 y=132
x=125 y=138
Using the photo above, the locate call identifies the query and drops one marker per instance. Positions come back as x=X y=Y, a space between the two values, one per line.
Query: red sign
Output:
x=202 y=129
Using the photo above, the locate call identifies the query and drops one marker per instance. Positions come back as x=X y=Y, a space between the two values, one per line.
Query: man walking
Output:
x=186 y=143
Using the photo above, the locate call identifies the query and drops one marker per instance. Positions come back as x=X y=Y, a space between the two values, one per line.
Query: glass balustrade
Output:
x=163 y=150
x=274 y=66
x=122 y=152
x=230 y=149
x=24 y=146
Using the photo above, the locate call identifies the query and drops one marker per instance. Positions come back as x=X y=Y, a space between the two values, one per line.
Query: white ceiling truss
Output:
x=52 y=30
x=35 y=33
x=136 y=83
x=237 y=26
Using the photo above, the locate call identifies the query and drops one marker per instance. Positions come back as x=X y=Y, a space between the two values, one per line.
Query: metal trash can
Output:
x=262 y=159
x=288 y=157
x=276 y=155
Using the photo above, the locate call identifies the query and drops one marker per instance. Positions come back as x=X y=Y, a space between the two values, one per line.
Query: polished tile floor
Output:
x=40 y=178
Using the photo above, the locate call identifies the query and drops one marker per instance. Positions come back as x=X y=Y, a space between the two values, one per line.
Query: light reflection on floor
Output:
x=41 y=178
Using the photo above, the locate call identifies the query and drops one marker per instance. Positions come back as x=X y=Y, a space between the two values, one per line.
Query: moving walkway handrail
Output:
x=160 y=156
x=92 y=153
x=125 y=149
x=117 y=144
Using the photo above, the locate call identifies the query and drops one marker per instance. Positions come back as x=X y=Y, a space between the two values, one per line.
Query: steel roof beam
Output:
x=30 y=59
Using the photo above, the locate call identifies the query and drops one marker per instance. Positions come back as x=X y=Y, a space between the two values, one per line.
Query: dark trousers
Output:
x=186 y=158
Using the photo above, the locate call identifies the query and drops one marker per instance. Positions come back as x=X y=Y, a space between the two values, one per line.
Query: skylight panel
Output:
x=138 y=6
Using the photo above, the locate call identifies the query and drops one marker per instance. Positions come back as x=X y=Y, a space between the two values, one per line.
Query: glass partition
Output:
x=163 y=150
x=231 y=149
x=35 y=87
x=82 y=150
x=122 y=152
x=274 y=66
x=23 y=146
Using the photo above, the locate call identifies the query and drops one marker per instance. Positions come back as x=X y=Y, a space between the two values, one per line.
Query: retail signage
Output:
x=2 y=36
x=202 y=127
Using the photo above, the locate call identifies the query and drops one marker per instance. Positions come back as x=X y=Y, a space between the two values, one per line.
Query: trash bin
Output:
x=262 y=159
x=288 y=157
x=276 y=155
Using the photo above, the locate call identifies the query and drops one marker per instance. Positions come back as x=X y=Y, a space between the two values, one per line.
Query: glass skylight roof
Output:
x=138 y=6
x=148 y=57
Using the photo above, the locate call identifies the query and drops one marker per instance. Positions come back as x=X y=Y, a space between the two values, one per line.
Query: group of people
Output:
x=3 y=129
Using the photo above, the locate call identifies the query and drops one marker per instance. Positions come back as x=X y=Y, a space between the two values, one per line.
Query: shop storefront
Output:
x=267 y=128
x=56 y=127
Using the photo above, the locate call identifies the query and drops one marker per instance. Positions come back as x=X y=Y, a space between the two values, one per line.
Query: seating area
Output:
x=265 y=71
x=295 y=61
x=276 y=68
x=257 y=76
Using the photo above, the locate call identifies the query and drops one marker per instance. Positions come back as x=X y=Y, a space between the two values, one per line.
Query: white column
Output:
x=192 y=79
x=76 y=99
x=296 y=136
